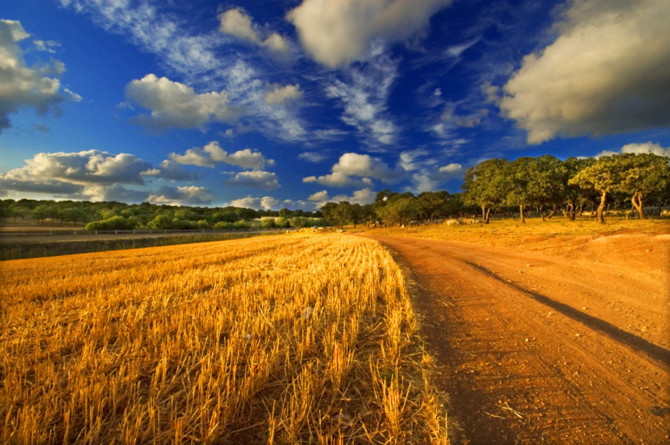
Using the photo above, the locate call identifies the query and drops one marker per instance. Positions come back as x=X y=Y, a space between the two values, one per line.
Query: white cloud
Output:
x=21 y=86
x=256 y=179
x=174 y=104
x=46 y=46
x=280 y=95
x=82 y=168
x=427 y=176
x=335 y=32
x=356 y=169
x=237 y=22
x=450 y=169
x=185 y=195
x=408 y=159
x=362 y=197
x=311 y=157
x=364 y=93
x=171 y=170
x=250 y=202
x=638 y=148
x=423 y=182
x=213 y=153
x=607 y=72
x=321 y=196
x=94 y=175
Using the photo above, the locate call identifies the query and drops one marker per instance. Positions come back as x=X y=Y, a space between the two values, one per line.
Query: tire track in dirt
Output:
x=541 y=355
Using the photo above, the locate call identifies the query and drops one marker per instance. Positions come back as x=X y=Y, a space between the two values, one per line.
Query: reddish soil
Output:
x=567 y=347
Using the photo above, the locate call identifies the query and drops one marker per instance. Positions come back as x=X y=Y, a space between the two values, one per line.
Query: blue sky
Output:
x=272 y=104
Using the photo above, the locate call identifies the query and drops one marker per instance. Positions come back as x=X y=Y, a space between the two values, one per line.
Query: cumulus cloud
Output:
x=356 y=169
x=84 y=167
x=185 y=195
x=174 y=104
x=93 y=174
x=607 y=72
x=362 y=197
x=335 y=32
x=172 y=171
x=213 y=153
x=22 y=86
x=280 y=95
x=238 y=23
x=256 y=179
x=265 y=203
x=638 y=148
x=364 y=91
x=428 y=180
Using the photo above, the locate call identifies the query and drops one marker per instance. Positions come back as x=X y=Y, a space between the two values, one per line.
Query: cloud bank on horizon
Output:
x=221 y=104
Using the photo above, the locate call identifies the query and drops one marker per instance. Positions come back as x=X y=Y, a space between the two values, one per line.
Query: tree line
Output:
x=121 y=216
x=549 y=184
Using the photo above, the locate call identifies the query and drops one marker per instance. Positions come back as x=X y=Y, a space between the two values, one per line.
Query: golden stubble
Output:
x=282 y=339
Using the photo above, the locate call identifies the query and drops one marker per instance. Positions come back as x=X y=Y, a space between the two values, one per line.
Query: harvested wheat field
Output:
x=282 y=339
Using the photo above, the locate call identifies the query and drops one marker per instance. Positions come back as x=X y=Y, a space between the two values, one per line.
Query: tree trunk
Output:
x=487 y=215
x=484 y=214
x=553 y=212
x=637 y=203
x=523 y=217
x=572 y=211
x=601 y=208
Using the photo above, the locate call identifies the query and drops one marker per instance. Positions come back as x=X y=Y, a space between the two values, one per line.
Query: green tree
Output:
x=342 y=213
x=268 y=223
x=74 y=215
x=400 y=210
x=45 y=211
x=643 y=175
x=548 y=184
x=357 y=213
x=604 y=176
x=297 y=222
x=432 y=205
x=520 y=173
x=486 y=185
x=328 y=211
x=116 y=222
x=161 y=221
x=574 y=196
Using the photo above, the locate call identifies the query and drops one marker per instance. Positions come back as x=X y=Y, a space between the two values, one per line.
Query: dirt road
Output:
x=537 y=348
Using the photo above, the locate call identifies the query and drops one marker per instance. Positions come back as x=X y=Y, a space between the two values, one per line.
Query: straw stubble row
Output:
x=282 y=339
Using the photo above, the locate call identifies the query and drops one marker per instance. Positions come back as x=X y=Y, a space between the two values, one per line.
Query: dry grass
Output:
x=535 y=234
x=285 y=339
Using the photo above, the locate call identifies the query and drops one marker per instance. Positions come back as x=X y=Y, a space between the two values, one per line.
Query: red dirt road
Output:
x=533 y=348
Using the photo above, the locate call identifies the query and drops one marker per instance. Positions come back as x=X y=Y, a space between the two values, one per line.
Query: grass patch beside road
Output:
x=534 y=234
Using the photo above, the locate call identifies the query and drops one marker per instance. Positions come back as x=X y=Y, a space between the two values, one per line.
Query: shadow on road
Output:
x=631 y=340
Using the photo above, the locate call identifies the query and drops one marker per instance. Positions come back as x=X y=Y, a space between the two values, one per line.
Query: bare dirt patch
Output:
x=567 y=344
